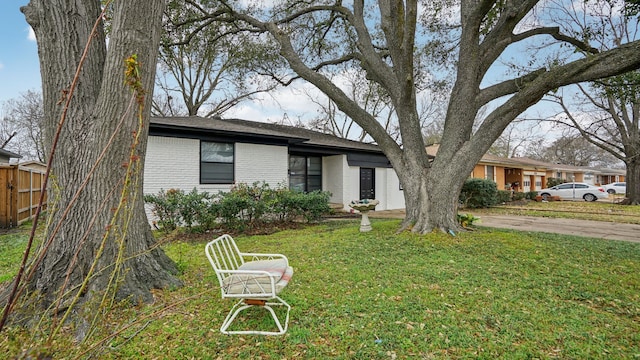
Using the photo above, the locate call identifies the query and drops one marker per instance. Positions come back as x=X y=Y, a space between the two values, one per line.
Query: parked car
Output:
x=616 y=188
x=574 y=191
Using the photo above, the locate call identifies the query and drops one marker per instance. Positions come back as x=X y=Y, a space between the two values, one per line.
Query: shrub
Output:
x=518 y=196
x=195 y=209
x=232 y=207
x=251 y=202
x=477 y=193
x=283 y=204
x=243 y=207
x=166 y=207
x=313 y=205
x=503 y=196
x=530 y=195
x=555 y=181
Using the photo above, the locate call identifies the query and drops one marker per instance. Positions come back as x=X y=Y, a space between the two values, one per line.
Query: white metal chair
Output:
x=256 y=282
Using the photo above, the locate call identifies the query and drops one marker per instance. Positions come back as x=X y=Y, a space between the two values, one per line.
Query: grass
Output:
x=483 y=295
x=598 y=210
x=12 y=246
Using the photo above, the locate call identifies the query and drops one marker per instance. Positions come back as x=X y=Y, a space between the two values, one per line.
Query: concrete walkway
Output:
x=587 y=228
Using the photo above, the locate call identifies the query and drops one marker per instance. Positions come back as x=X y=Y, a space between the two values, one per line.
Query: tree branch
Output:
x=507 y=87
x=556 y=34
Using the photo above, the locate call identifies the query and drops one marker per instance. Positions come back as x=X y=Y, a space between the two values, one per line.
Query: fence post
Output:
x=13 y=187
x=4 y=197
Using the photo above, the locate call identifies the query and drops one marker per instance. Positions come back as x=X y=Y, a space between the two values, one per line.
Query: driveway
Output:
x=587 y=228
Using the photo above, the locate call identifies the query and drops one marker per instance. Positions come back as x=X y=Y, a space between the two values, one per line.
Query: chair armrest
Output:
x=264 y=256
x=240 y=283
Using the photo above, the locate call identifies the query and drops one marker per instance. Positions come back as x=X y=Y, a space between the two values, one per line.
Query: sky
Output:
x=19 y=67
x=20 y=72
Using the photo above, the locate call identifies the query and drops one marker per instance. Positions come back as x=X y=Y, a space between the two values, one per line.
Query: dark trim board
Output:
x=368 y=160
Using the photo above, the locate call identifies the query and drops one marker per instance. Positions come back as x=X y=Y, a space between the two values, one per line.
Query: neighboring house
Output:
x=524 y=174
x=568 y=173
x=214 y=154
x=6 y=156
x=607 y=176
x=507 y=173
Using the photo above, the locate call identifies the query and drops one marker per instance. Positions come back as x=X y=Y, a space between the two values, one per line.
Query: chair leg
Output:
x=247 y=303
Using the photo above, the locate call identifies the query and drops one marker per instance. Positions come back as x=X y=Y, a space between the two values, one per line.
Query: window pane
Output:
x=490 y=172
x=297 y=183
x=216 y=173
x=216 y=152
x=297 y=165
x=314 y=183
x=315 y=166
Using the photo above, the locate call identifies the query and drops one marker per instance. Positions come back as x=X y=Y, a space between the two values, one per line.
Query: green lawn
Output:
x=482 y=294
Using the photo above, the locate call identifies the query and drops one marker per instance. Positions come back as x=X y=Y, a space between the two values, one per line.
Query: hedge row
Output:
x=243 y=207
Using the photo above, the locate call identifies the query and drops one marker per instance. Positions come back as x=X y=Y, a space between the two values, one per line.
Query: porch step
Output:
x=336 y=206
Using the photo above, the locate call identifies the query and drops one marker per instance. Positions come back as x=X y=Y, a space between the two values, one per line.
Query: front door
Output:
x=367 y=183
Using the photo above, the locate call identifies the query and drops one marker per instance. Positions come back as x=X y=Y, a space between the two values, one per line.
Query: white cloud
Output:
x=32 y=34
x=288 y=102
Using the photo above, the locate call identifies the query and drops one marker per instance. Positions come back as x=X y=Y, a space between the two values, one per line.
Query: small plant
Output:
x=467 y=220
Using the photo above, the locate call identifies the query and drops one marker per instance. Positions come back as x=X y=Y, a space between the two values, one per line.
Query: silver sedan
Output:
x=574 y=191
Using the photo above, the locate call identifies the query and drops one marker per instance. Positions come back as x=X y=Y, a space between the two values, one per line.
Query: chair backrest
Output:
x=224 y=255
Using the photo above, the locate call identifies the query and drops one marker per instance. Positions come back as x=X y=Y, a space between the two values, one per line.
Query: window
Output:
x=305 y=173
x=216 y=163
x=490 y=172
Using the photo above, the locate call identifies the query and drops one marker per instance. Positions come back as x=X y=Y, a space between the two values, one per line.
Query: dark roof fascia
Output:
x=304 y=148
x=187 y=132
x=9 y=154
x=368 y=160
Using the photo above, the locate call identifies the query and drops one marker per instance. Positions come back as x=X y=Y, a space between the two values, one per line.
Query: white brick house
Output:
x=213 y=154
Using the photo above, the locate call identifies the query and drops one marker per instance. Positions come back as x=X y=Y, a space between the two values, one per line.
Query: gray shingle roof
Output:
x=294 y=135
x=9 y=154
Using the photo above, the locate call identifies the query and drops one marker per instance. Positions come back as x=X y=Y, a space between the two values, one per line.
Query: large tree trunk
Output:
x=431 y=195
x=633 y=180
x=104 y=237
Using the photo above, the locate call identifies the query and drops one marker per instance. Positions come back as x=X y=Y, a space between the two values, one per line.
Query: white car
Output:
x=574 y=191
x=616 y=188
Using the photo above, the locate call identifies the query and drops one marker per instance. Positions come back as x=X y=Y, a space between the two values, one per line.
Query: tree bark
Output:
x=105 y=236
x=633 y=181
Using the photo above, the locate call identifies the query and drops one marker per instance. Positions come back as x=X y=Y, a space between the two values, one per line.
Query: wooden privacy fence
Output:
x=20 y=189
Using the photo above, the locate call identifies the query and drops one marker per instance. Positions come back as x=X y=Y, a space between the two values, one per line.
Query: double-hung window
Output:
x=216 y=162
